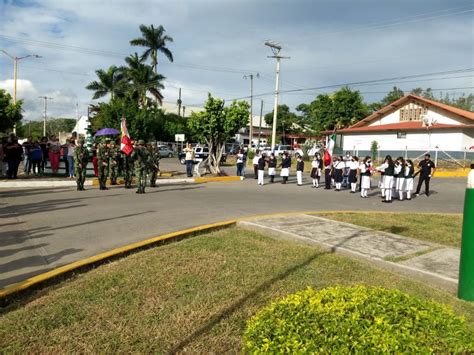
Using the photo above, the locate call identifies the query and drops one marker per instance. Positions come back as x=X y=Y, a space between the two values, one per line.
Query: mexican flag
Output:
x=125 y=144
x=329 y=151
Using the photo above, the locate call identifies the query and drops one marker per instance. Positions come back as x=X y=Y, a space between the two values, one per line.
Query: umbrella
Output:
x=107 y=132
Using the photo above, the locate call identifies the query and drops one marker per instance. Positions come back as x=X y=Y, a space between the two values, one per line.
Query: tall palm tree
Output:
x=109 y=82
x=154 y=40
x=142 y=80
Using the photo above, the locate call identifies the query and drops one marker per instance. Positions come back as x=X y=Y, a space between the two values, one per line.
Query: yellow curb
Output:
x=102 y=256
x=217 y=179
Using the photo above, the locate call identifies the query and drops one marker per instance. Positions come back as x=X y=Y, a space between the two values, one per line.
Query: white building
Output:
x=411 y=123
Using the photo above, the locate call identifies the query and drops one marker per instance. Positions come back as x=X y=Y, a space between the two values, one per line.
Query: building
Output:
x=411 y=124
x=260 y=129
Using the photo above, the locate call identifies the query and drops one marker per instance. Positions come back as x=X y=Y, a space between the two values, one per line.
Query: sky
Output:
x=218 y=42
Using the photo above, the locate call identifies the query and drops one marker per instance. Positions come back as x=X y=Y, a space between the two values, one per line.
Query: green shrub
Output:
x=356 y=319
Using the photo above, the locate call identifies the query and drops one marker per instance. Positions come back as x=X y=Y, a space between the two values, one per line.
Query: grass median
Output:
x=194 y=295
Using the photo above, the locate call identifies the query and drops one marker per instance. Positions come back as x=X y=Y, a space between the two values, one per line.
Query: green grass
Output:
x=442 y=229
x=194 y=295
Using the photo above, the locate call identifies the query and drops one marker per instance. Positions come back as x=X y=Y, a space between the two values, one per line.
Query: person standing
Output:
x=365 y=169
x=3 y=157
x=71 y=146
x=285 y=167
x=272 y=163
x=27 y=145
x=189 y=160
x=328 y=168
x=409 y=173
x=426 y=169
x=255 y=160
x=261 y=169
x=345 y=176
x=353 y=166
x=399 y=176
x=154 y=162
x=389 y=171
x=240 y=163
x=14 y=153
x=54 y=151
x=36 y=156
x=339 y=167
x=103 y=157
x=141 y=160
x=81 y=158
x=44 y=149
x=114 y=161
x=299 y=170
x=316 y=165
x=127 y=169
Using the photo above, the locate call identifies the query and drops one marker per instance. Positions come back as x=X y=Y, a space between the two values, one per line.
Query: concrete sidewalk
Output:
x=428 y=262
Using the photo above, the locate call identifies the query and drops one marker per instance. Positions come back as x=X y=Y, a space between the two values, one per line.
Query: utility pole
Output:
x=276 y=48
x=77 y=112
x=260 y=123
x=251 y=76
x=179 y=103
x=15 y=70
x=45 y=98
x=184 y=108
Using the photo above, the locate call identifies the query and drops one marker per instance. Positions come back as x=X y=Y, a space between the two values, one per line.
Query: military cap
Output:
x=107 y=140
x=141 y=142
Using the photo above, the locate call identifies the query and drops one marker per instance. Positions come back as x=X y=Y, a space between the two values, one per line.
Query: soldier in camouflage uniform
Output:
x=103 y=157
x=114 y=160
x=127 y=169
x=154 y=162
x=81 y=157
x=141 y=161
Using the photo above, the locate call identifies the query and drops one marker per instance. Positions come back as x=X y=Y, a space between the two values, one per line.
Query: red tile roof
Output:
x=411 y=97
x=402 y=126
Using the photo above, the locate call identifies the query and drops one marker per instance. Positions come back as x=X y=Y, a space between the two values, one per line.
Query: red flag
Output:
x=327 y=157
x=125 y=144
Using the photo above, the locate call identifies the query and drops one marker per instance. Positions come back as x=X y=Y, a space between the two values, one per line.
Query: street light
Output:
x=15 y=66
x=276 y=48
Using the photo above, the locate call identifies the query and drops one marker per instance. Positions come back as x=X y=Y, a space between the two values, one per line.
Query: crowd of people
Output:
x=349 y=172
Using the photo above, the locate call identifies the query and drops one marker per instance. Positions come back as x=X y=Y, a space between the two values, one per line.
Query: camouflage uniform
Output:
x=81 y=157
x=127 y=169
x=154 y=163
x=103 y=164
x=114 y=160
x=141 y=161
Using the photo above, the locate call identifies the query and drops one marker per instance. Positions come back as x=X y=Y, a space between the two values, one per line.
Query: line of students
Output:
x=396 y=176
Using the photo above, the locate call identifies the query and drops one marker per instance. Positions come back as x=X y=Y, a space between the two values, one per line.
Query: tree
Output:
x=392 y=96
x=347 y=108
x=216 y=125
x=109 y=82
x=155 y=41
x=10 y=113
x=287 y=121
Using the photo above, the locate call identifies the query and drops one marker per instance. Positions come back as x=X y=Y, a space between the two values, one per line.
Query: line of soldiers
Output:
x=143 y=160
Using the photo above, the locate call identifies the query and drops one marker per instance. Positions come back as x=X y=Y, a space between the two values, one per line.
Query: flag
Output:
x=125 y=143
x=329 y=151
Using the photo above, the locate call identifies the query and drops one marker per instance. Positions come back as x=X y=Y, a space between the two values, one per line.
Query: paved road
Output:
x=44 y=228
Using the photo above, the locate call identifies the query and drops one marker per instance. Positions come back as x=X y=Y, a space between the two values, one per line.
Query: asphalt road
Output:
x=41 y=229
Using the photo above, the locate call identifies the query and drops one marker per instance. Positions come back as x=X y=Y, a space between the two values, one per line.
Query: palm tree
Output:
x=142 y=80
x=109 y=82
x=155 y=40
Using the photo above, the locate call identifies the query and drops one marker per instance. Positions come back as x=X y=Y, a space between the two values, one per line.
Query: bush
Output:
x=356 y=319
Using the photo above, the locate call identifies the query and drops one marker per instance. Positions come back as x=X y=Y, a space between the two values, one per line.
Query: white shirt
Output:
x=240 y=158
x=339 y=165
x=315 y=164
x=353 y=165
x=255 y=160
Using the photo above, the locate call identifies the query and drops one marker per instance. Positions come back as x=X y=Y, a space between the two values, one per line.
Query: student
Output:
x=272 y=163
x=409 y=173
x=299 y=170
x=240 y=163
x=255 y=160
x=399 y=174
x=426 y=170
x=365 y=169
x=345 y=176
x=261 y=169
x=339 y=166
x=36 y=155
x=353 y=165
x=316 y=165
x=328 y=168
x=389 y=170
x=285 y=167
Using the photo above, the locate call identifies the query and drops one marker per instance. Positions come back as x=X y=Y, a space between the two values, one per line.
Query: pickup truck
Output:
x=200 y=153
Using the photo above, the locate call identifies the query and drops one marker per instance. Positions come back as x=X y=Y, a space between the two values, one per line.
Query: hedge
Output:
x=356 y=319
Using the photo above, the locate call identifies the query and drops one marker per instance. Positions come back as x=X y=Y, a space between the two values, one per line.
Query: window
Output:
x=401 y=135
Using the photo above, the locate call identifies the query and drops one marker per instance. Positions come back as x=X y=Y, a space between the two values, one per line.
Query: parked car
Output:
x=280 y=148
x=165 y=151
x=200 y=153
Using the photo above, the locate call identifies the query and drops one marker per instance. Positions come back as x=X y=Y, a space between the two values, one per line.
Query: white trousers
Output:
x=261 y=174
x=299 y=177
x=387 y=186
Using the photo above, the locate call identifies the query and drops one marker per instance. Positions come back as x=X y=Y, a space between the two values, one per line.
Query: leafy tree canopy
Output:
x=10 y=113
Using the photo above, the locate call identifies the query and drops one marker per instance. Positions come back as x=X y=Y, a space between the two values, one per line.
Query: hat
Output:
x=107 y=140
x=141 y=142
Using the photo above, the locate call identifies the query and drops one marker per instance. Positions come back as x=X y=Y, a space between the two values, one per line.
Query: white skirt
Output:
x=365 y=182
x=271 y=171
x=399 y=182
x=387 y=182
x=409 y=184
x=285 y=172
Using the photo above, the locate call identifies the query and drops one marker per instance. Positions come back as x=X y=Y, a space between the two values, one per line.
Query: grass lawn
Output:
x=439 y=228
x=194 y=295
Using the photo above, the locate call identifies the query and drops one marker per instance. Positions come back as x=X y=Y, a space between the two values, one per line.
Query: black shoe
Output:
x=408 y=199
x=384 y=201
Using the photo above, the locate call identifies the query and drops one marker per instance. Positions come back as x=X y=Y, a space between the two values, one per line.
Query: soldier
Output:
x=81 y=157
x=154 y=162
x=103 y=164
x=127 y=169
x=141 y=161
x=114 y=159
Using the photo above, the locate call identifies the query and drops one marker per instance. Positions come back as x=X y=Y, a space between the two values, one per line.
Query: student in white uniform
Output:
x=299 y=169
x=285 y=167
x=339 y=167
x=261 y=169
x=353 y=166
x=272 y=163
x=389 y=170
x=399 y=175
x=365 y=169
x=316 y=165
x=255 y=159
x=409 y=172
